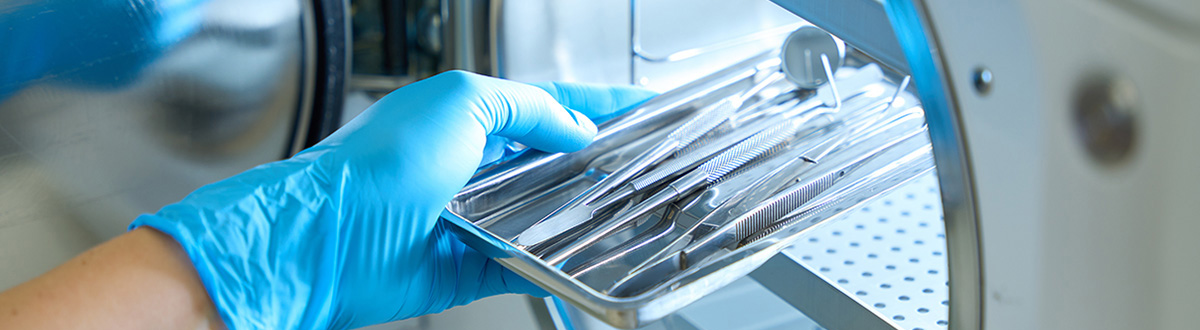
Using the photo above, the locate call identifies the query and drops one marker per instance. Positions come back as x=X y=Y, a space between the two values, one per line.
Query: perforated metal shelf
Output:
x=890 y=256
x=882 y=266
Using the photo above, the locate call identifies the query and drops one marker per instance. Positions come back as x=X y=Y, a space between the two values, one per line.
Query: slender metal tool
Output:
x=779 y=172
x=771 y=174
x=818 y=194
x=557 y=222
x=839 y=198
x=710 y=172
x=730 y=228
x=688 y=160
x=574 y=213
x=763 y=203
x=752 y=123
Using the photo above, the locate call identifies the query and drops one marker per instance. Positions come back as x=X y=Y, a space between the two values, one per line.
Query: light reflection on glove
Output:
x=346 y=233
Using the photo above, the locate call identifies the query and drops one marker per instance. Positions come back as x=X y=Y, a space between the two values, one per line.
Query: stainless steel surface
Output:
x=400 y=42
x=576 y=212
x=680 y=55
x=683 y=140
x=861 y=23
x=807 y=52
x=729 y=198
x=668 y=27
x=109 y=109
x=910 y=20
x=743 y=305
x=505 y=200
x=711 y=172
x=1105 y=118
x=881 y=267
x=686 y=145
x=471 y=32
x=728 y=232
x=733 y=197
x=807 y=291
x=982 y=80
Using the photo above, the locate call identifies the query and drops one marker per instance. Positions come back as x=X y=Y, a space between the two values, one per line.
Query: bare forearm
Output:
x=139 y=280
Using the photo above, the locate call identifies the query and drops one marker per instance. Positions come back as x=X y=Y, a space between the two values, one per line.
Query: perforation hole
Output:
x=910 y=229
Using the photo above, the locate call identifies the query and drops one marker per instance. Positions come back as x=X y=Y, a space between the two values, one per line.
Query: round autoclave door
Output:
x=110 y=109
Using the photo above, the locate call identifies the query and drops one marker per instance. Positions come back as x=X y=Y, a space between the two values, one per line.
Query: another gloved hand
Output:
x=346 y=233
x=98 y=44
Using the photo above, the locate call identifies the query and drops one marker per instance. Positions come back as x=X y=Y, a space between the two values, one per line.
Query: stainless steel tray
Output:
x=502 y=201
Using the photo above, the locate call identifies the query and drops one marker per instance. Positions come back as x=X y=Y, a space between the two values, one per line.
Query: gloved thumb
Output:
x=482 y=277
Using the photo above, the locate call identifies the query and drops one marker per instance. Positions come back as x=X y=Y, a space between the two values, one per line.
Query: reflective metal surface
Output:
x=502 y=201
x=1105 y=118
x=862 y=23
x=920 y=43
x=112 y=108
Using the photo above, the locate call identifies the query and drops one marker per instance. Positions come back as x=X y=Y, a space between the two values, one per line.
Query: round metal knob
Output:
x=982 y=80
x=1106 y=118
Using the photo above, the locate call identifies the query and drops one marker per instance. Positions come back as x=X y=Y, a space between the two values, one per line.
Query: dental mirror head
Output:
x=802 y=52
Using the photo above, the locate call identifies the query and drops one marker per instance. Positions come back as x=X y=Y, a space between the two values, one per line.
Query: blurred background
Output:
x=110 y=109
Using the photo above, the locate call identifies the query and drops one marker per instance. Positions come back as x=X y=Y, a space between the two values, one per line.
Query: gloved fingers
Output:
x=524 y=113
x=499 y=280
x=479 y=276
x=598 y=102
x=494 y=149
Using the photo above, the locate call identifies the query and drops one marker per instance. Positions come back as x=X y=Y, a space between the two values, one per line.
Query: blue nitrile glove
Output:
x=602 y=103
x=99 y=44
x=346 y=233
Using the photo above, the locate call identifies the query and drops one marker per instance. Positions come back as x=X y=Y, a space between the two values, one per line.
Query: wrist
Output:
x=229 y=228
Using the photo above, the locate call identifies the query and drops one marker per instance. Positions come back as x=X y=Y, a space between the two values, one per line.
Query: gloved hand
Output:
x=345 y=234
x=97 y=44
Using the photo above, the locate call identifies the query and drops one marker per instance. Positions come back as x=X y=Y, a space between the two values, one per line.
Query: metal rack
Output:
x=882 y=266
